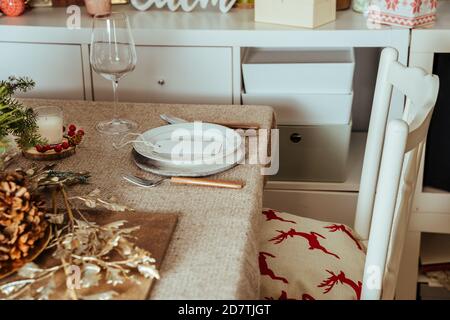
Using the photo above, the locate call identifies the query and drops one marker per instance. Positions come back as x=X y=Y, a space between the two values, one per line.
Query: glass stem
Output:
x=115 y=84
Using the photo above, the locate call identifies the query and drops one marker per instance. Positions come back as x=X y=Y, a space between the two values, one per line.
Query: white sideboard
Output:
x=197 y=44
x=196 y=58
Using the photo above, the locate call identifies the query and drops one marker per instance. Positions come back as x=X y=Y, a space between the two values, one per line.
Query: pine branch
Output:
x=13 y=84
x=15 y=118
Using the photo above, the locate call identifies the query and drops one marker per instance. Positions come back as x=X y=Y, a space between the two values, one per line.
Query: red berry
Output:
x=47 y=147
x=72 y=127
x=65 y=145
x=39 y=148
x=71 y=133
x=80 y=132
x=58 y=148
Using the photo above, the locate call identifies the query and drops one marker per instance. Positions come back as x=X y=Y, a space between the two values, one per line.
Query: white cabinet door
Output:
x=57 y=69
x=174 y=75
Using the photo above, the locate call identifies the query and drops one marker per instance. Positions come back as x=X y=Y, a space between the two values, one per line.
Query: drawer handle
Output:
x=296 y=137
x=161 y=82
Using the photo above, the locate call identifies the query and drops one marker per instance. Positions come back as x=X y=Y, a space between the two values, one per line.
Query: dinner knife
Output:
x=247 y=126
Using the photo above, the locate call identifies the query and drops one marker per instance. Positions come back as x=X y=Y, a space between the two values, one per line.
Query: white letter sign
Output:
x=185 y=5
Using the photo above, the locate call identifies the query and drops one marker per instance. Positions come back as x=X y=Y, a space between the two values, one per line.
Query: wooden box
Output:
x=299 y=13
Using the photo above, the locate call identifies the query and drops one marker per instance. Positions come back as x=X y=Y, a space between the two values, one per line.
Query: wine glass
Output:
x=113 y=55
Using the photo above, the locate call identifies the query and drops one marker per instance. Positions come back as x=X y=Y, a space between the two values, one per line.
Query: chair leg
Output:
x=409 y=268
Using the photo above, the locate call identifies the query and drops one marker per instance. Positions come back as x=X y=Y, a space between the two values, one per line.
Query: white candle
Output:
x=50 y=124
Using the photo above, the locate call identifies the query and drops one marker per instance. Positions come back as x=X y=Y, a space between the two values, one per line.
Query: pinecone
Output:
x=22 y=220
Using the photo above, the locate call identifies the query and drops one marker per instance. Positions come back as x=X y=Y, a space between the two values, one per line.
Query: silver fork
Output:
x=141 y=182
x=145 y=183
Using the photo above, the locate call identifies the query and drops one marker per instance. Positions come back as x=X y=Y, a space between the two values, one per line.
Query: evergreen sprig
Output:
x=15 y=118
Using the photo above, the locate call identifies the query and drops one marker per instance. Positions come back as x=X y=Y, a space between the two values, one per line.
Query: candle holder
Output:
x=50 y=122
x=58 y=143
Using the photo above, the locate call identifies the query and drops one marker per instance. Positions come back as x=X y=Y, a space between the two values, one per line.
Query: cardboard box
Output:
x=298 y=13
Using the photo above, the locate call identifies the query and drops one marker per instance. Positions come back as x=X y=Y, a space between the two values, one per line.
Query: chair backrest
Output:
x=391 y=165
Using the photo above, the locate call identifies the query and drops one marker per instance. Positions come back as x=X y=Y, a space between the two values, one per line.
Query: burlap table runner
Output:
x=213 y=252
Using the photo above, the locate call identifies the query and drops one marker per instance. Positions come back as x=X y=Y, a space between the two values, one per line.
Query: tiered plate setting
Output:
x=191 y=149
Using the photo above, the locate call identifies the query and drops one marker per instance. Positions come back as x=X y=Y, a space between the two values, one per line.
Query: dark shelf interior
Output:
x=437 y=155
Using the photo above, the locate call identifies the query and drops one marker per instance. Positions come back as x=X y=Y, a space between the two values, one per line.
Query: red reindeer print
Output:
x=391 y=4
x=343 y=228
x=311 y=237
x=271 y=215
x=433 y=4
x=416 y=4
x=329 y=283
x=284 y=296
x=264 y=267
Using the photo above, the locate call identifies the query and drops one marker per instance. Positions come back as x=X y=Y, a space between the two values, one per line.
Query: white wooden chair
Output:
x=389 y=175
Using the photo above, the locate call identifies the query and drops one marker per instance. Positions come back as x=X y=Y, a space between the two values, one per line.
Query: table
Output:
x=213 y=253
x=212 y=46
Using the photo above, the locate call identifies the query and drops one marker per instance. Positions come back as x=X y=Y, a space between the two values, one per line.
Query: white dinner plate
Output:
x=191 y=144
x=201 y=170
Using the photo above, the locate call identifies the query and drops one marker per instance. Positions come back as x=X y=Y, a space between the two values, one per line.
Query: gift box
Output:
x=407 y=13
x=298 y=13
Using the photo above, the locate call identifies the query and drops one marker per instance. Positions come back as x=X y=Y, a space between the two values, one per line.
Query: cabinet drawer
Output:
x=326 y=206
x=56 y=69
x=174 y=75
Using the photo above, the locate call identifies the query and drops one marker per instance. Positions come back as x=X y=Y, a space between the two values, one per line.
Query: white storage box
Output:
x=298 y=13
x=314 y=153
x=305 y=109
x=309 y=71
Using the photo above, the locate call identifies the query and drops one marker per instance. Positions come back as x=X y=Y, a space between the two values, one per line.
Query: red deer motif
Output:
x=271 y=215
x=306 y=296
x=416 y=4
x=311 y=237
x=264 y=268
x=284 y=296
x=433 y=4
x=391 y=4
x=329 y=283
x=341 y=227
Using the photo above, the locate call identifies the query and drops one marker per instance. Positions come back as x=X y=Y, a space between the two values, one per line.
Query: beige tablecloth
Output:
x=213 y=254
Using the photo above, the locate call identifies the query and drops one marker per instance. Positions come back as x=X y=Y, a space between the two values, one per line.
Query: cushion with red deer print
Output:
x=306 y=259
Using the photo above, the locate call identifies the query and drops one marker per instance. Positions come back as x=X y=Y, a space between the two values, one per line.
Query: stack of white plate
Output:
x=188 y=149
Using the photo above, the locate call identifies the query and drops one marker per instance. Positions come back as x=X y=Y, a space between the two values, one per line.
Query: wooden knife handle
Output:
x=208 y=182
x=244 y=126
